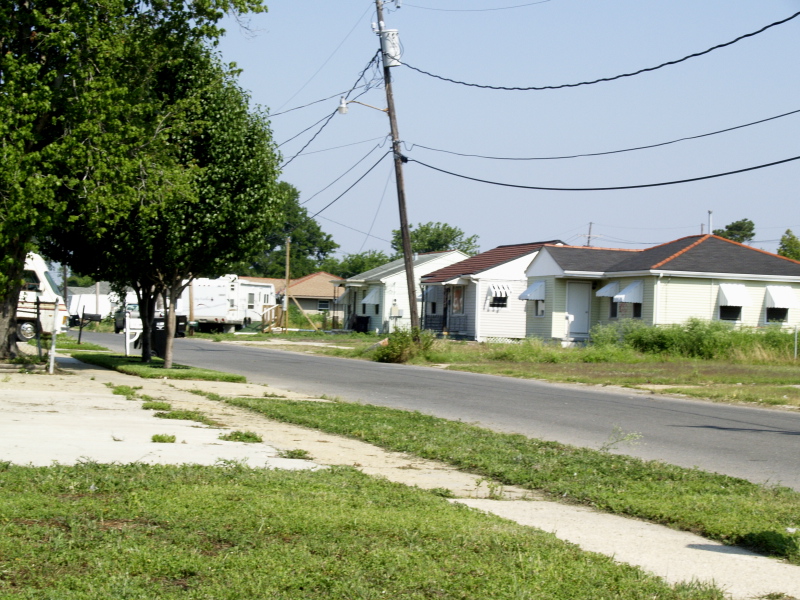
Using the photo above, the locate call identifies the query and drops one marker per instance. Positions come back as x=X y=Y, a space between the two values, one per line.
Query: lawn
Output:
x=133 y=365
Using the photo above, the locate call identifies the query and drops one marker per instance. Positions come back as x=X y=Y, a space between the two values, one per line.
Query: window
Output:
x=637 y=310
x=777 y=315
x=30 y=282
x=232 y=303
x=377 y=309
x=612 y=312
x=251 y=301
x=499 y=302
x=323 y=305
x=730 y=313
x=458 y=300
x=538 y=308
x=433 y=308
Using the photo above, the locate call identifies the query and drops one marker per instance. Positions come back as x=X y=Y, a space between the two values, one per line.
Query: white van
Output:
x=39 y=285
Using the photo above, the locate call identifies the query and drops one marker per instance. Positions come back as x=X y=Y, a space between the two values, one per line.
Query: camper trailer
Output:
x=39 y=286
x=226 y=304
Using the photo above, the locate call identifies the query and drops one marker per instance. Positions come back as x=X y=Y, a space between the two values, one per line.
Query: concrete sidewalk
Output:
x=73 y=416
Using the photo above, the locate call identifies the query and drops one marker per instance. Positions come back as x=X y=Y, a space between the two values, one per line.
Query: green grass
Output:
x=155 y=370
x=186 y=415
x=163 y=438
x=731 y=510
x=68 y=343
x=156 y=405
x=241 y=436
x=94 y=532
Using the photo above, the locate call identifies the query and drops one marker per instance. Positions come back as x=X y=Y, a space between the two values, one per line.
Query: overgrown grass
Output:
x=94 y=532
x=155 y=370
x=241 y=436
x=67 y=343
x=162 y=438
x=724 y=508
x=186 y=415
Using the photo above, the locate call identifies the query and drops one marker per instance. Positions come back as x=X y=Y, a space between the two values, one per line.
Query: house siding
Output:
x=503 y=323
x=541 y=327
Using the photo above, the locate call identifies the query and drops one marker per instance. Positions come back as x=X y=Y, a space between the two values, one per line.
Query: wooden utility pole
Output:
x=286 y=288
x=399 y=159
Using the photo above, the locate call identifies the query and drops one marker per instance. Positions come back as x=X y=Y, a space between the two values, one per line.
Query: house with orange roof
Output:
x=573 y=288
x=316 y=293
x=478 y=298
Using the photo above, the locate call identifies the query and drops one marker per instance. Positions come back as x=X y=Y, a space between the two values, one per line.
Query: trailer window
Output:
x=251 y=301
x=30 y=281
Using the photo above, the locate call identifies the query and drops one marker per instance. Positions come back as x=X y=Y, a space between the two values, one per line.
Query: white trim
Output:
x=634 y=293
x=733 y=294
x=781 y=296
x=609 y=290
x=535 y=291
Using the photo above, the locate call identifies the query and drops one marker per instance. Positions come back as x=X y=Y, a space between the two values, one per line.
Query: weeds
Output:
x=403 y=345
x=163 y=438
x=186 y=415
x=297 y=453
x=241 y=436
x=156 y=405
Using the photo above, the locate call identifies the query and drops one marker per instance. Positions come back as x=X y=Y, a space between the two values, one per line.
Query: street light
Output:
x=342 y=110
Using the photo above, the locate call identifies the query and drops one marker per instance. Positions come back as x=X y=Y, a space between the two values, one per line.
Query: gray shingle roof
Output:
x=396 y=266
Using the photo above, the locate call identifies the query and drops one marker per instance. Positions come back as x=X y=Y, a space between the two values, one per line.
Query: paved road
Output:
x=756 y=444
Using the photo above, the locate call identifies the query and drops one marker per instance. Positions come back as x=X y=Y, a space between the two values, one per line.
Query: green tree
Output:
x=742 y=231
x=436 y=237
x=309 y=245
x=217 y=206
x=78 y=116
x=789 y=246
x=353 y=264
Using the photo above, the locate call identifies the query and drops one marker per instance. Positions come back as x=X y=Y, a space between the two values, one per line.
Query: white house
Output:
x=478 y=298
x=377 y=300
x=573 y=288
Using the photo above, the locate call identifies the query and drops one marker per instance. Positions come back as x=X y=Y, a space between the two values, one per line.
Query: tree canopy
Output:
x=436 y=237
x=353 y=264
x=742 y=231
x=789 y=245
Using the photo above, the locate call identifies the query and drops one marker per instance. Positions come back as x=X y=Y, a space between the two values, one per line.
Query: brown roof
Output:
x=316 y=285
x=484 y=261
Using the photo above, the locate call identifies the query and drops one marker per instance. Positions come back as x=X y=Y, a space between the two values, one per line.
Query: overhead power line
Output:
x=606 y=189
x=604 y=79
x=331 y=203
x=475 y=9
x=288 y=110
x=683 y=139
x=310 y=198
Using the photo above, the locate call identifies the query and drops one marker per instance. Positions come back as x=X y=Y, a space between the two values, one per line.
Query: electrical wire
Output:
x=377 y=210
x=310 y=79
x=683 y=139
x=605 y=79
x=356 y=230
x=329 y=117
x=383 y=137
x=309 y=104
x=342 y=175
x=384 y=155
x=610 y=188
x=304 y=130
x=475 y=9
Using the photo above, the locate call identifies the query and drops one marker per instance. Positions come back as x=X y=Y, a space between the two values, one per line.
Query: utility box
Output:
x=390 y=47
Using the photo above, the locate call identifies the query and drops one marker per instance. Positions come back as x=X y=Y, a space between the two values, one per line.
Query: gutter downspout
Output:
x=477 y=308
x=656 y=298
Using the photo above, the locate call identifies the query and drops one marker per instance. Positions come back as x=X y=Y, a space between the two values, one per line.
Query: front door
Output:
x=579 y=299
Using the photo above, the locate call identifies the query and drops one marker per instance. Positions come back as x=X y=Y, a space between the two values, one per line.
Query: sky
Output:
x=301 y=52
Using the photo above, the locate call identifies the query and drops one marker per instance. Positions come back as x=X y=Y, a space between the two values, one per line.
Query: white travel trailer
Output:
x=39 y=285
x=227 y=303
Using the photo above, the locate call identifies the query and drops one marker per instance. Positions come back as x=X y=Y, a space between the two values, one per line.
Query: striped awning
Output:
x=733 y=294
x=609 y=290
x=535 y=291
x=500 y=290
x=634 y=292
x=781 y=296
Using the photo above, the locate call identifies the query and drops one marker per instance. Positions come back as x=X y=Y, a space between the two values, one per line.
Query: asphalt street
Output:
x=761 y=445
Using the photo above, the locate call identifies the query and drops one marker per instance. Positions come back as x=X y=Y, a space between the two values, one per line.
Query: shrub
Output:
x=404 y=344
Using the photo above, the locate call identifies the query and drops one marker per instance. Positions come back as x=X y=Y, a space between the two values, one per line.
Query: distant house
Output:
x=316 y=293
x=95 y=299
x=478 y=298
x=377 y=300
x=571 y=288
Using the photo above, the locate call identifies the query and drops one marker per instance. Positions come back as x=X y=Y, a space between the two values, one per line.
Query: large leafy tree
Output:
x=309 y=245
x=79 y=116
x=436 y=237
x=353 y=264
x=217 y=206
x=742 y=231
x=789 y=245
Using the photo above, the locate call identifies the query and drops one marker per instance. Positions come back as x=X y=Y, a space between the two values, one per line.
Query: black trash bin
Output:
x=159 y=337
x=181 y=322
x=361 y=324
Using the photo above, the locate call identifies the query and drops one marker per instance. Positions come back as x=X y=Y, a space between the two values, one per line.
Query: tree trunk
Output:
x=174 y=292
x=8 y=303
x=146 y=294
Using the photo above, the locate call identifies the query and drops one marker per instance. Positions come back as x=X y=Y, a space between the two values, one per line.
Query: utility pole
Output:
x=589 y=237
x=286 y=289
x=399 y=159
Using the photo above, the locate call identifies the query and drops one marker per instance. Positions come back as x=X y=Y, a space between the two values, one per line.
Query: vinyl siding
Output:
x=541 y=327
x=495 y=322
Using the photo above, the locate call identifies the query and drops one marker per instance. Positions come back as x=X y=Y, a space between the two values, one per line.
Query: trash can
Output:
x=181 y=322
x=159 y=337
x=361 y=325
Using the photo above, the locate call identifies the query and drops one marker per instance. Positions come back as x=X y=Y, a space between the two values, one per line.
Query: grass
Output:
x=156 y=405
x=68 y=343
x=94 y=532
x=163 y=438
x=186 y=415
x=731 y=510
x=241 y=436
x=155 y=370
x=296 y=453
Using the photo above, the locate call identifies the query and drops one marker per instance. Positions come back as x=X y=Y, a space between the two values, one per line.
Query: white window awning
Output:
x=781 y=296
x=500 y=289
x=733 y=294
x=634 y=292
x=343 y=298
x=609 y=290
x=535 y=291
x=373 y=297
x=425 y=294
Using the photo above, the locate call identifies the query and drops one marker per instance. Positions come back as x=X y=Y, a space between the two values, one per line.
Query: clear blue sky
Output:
x=303 y=51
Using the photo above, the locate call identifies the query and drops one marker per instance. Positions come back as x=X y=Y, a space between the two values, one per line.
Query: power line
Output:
x=310 y=103
x=384 y=155
x=356 y=230
x=342 y=175
x=612 y=188
x=475 y=9
x=604 y=79
x=683 y=139
x=383 y=137
x=378 y=209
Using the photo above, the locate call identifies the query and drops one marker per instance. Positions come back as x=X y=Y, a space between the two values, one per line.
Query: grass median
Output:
x=731 y=510
x=132 y=365
x=93 y=532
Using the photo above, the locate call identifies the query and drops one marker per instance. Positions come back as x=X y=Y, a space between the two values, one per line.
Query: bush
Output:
x=404 y=344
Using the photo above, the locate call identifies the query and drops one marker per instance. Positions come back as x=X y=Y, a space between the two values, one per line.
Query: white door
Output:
x=579 y=298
